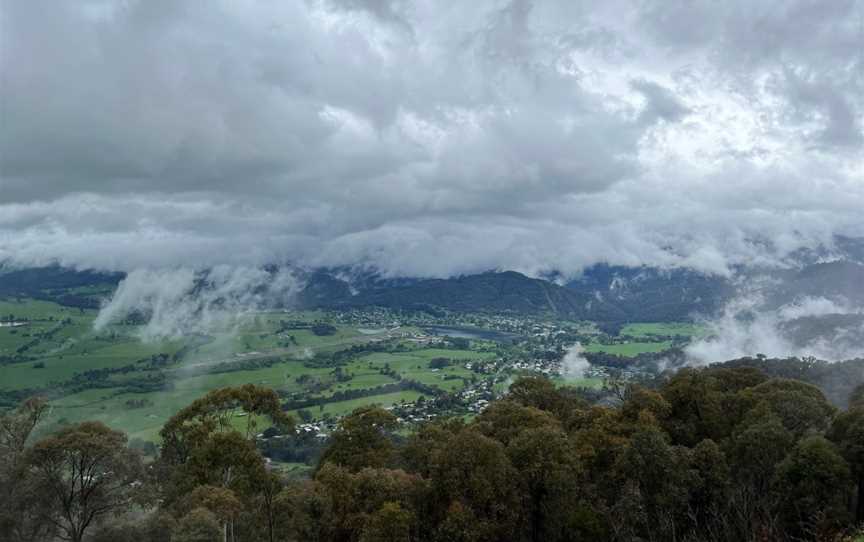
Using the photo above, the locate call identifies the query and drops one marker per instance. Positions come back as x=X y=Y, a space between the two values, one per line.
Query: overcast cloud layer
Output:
x=428 y=137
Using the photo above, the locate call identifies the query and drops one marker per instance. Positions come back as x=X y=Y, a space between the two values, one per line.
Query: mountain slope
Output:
x=649 y=294
x=494 y=292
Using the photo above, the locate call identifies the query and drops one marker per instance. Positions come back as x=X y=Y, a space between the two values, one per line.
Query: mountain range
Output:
x=601 y=293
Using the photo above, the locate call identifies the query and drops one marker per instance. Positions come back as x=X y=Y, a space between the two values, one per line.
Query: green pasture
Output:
x=629 y=349
x=340 y=408
x=33 y=309
x=414 y=365
x=108 y=406
x=84 y=355
x=663 y=329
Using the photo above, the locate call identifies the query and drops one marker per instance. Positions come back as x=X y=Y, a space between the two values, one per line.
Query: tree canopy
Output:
x=718 y=454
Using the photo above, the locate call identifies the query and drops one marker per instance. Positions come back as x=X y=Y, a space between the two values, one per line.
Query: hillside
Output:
x=650 y=294
x=493 y=292
x=601 y=293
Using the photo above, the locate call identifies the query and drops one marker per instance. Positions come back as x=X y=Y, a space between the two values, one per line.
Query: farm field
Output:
x=59 y=346
x=664 y=329
x=116 y=377
x=414 y=365
x=339 y=408
x=595 y=383
x=122 y=410
x=629 y=349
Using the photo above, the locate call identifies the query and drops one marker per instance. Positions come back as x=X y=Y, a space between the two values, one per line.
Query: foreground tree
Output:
x=83 y=473
x=539 y=465
x=220 y=502
x=847 y=432
x=217 y=412
x=390 y=523
x=19 y=500
x=201 y=446
x=16 y=428
x=856 y=398
x=474 y=469
x=812 y=481
x=199 y=525
x=363 y=440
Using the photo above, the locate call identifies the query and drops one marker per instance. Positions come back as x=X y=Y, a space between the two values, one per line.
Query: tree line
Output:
x=714 y=454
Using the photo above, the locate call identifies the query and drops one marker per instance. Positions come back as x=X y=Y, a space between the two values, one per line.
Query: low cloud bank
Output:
x=182 y=301
x=828 y=329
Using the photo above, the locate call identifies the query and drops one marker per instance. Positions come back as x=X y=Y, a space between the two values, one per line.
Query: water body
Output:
x=473 y=333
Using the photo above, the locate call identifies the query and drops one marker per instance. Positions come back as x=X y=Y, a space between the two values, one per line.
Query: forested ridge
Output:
x=715 y=454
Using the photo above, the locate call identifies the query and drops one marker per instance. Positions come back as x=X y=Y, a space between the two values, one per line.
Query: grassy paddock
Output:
x=630 y=349
x=340 y=408
x=663 y=329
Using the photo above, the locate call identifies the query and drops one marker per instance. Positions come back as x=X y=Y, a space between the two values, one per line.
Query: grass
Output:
x=85 y=355
x=629 y=349
x=414 y=365
x=101 y=405
x=647 y=337
x=108 y=406
x=68 y=345
x=33 y=309
x=663 y=329
x=340 y=408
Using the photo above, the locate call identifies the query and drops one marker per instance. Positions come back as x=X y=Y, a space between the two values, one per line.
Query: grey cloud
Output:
x=426 y=137
x=661 y=103
x=387 y=11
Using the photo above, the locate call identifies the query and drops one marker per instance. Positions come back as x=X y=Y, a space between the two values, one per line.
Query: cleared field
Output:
x=144 y=422
x=100 y=405
x=414 y=365
x=85 y=355
x=340 y=408
x=60 y=343
x=630 y=349
x=663 y=329
x=33 y=309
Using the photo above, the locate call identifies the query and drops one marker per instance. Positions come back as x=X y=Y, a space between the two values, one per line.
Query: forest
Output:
x=713 y=454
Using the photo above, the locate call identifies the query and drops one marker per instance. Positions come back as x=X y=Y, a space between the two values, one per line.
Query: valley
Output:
x=323 y=363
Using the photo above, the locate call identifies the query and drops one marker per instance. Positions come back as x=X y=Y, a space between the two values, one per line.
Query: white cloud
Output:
x=425 y=138
x=180 y=302
x=747 y=326
x=574 y=363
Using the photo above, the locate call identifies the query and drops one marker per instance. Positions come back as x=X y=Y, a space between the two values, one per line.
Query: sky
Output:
x=429 y=138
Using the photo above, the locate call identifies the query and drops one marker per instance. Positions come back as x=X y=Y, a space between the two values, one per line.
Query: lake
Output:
x=473 y=333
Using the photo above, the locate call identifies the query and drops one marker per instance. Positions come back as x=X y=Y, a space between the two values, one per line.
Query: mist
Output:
x=182 y=301
x=819 y=327
x=574 y=363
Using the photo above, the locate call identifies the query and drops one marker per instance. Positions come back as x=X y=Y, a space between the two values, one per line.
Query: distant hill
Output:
x=650 y=294
x=838 y=280
x=55 y=283
x=493 y=291
x=601 y=293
